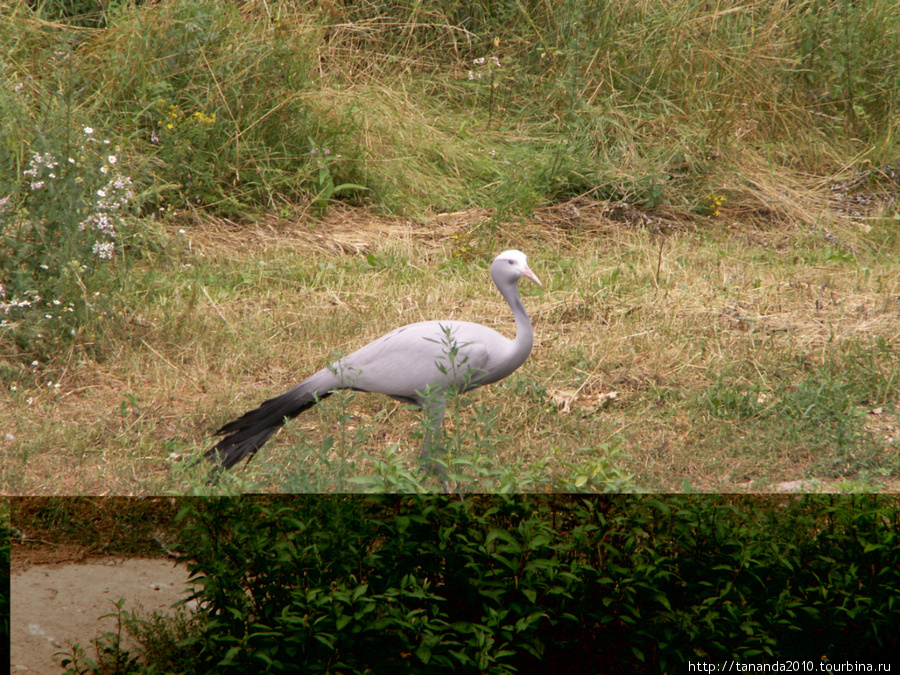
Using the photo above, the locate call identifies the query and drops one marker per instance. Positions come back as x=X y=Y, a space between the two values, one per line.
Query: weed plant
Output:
x=60 y=237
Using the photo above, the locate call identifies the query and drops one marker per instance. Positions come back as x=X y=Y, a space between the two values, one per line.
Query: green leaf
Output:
x=359 y=591
x=325 y=639
x=347 y=186
x=424 y=653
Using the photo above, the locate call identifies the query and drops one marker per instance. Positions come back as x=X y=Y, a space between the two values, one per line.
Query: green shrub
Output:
x=520 y=584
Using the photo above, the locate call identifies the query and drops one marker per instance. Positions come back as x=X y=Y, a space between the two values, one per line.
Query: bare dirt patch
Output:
x=62 y=601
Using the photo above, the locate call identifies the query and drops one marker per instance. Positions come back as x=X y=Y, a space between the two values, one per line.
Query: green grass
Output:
x=708 y=195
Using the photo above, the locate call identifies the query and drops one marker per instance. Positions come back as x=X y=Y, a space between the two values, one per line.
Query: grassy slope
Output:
x=747 y=344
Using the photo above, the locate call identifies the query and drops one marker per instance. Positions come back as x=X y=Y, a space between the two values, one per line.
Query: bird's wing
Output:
x=405 y=361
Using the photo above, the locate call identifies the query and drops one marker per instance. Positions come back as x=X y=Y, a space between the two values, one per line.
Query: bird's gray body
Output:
x=404 y=362
x=418 y=363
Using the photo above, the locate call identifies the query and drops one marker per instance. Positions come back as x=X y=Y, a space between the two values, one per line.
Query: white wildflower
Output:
x=112 y=159
x=479 y=61
x=471 y=75
x=88 y=131
x=104 y=250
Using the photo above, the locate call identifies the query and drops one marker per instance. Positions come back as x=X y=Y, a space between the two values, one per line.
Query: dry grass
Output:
x=642 y=322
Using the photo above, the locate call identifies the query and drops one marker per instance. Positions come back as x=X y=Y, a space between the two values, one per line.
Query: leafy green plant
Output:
x=325 y=187
x=77 y=662
x=110 y=652
x=518 y=584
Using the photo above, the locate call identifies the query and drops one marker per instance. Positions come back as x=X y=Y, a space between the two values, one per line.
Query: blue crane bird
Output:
x=409 y=363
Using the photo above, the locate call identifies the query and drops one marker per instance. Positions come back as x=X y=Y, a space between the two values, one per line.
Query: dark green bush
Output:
x=501 y=585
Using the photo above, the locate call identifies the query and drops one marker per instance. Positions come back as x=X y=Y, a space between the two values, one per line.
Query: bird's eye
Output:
x=511 y=262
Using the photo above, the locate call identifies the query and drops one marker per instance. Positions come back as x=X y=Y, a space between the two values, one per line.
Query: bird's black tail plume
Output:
x=249 y=432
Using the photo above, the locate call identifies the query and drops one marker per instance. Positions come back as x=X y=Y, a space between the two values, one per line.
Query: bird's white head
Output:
x=513 y=264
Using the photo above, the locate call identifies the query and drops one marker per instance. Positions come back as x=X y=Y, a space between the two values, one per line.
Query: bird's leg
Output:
x=434 y=418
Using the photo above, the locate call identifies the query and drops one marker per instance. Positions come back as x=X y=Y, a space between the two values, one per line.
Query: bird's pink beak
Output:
x=528 y=274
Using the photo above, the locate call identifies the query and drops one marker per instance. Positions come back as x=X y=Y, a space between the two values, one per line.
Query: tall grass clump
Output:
x=655 y=104
x=214 y=106
x=220 y=105
x=442 y=104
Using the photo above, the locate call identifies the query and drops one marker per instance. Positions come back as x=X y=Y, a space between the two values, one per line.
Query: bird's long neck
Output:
x=524 y=332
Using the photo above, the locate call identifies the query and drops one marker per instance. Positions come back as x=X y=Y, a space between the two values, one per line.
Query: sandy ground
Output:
x=54 y=605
